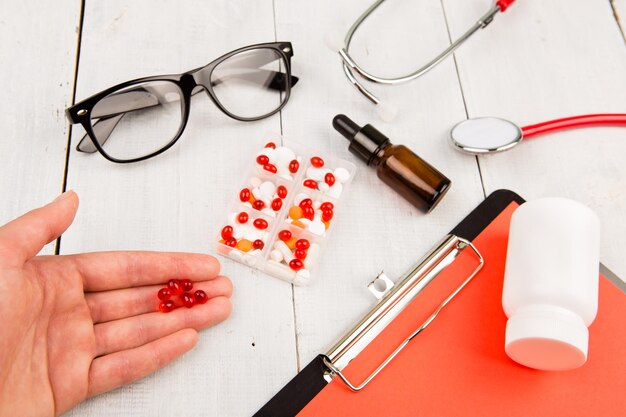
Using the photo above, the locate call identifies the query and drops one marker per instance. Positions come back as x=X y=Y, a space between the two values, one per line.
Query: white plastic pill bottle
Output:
x=550 y=292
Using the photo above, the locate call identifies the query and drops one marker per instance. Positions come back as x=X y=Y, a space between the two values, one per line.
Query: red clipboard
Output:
x=457 y=366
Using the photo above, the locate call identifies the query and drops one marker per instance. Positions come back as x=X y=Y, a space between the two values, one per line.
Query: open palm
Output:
x=79 y=325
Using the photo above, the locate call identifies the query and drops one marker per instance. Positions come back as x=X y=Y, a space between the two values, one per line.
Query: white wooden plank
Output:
x=374 y=228
x=178 y=202
x=38 y=44
x=540 y=61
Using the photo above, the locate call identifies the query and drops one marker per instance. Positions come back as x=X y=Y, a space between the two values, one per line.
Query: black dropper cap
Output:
x=365 y=142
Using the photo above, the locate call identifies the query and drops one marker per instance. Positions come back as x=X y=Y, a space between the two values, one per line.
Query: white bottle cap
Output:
x=546 y=337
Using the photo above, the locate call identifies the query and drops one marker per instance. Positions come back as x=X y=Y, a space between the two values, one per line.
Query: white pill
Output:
x=252 y=233
x=341 y=174
x=255 y=182
x=284 y=155
x=335 y=190
x=267 y=189
x=298 y=198
x=269 y=152
x=316 y=174
x=256 y=193
x=250 y=260
x=238 y=231
x=283 y=172
x=254 y=252
x=312 y=255
x=323 y=186
x=268 y=211
x=276 y=255
x=317 y=227
x=305 y=222
x=286 y=176
x=236 y=255
x=304 y=273
x=303 y=277
x=284 y=250
x=279 y=270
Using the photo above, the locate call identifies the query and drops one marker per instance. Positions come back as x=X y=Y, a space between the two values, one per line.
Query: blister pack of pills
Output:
x=284 y=210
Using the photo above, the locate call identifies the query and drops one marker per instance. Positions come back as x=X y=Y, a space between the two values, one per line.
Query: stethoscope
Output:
x=350 y=67
x=487 y=135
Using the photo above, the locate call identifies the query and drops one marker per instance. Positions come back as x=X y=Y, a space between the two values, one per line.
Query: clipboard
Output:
x=457 y=366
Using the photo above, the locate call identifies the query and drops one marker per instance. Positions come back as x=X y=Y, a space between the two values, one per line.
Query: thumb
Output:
x=25 y=236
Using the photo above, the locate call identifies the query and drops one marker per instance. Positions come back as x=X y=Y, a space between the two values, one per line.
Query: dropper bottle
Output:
x=401 y=169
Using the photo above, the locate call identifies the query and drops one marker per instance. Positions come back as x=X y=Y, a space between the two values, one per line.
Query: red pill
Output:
x=186 y=285
x=303 y=244
x=329 y=179
x=317 y=162
x=281 y=190
x=227 y=232
x=244 y=195
x=327 y=215
x=271 y=168
x=299 y=254
x=166 y=306
x=270 y=145
x=296 y=264
x=307 y=202
x=262 y=160
x=277 y=203
x=200 y=297
x=242 y=217
x=260 y=224
x=308 y=213
x=187 y=300
x=258 y=204
x=284 y=235
x=327 y=206
x=164 y=294
x=174 y=286
x=258 y=244
x=294 y=166
x=310 y=184
x=231 y=241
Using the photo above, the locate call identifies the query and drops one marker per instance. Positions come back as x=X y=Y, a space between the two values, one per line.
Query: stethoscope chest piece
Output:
x=485 y=135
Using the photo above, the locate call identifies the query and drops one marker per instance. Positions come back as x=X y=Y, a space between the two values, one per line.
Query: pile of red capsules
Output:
x=182 y=289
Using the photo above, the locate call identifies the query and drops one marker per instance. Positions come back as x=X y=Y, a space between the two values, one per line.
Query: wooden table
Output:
x=540 y=60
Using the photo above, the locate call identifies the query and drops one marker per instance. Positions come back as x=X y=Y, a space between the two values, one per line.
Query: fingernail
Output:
x=62 y=196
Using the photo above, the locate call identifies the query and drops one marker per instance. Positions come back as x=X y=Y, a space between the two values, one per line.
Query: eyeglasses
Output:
x=139 y=119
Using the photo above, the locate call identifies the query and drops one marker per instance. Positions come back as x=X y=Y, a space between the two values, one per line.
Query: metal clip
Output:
x=392 y=302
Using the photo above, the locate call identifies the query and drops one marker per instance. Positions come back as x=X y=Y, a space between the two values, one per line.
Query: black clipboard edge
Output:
x=294 y=396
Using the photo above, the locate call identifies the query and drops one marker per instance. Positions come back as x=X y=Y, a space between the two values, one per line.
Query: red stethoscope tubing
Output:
x=608 y=119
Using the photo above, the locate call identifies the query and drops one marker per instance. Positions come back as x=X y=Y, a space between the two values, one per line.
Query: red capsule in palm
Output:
x=270 y=145
x=244 y=195
x=277 y=203
x=242 y=217
x=231 y=241
x=270 y=168
x=329 y=179
x=227 y=232
x=187 y=300
x=174 y=286
x=327 y=215
x=258 y=205
x=200 y=297
x=309 y=183
x=300 y=254
x=303 y=244
x=166 y=306
x=284 y=235
x=258 y=244
x=260 y=224
x=262 y=160
x=307 y=202
x=317 y=162
x=281 y=190
x=308 y=213
x=164 y=294
x=327 y=206
x=294 y=166
x=186 y=285
x=296 y=264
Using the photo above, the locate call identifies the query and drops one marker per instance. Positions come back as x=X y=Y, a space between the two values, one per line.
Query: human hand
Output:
x=75 y=326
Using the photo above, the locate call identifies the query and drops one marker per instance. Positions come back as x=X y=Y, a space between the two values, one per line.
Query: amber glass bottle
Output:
x=415 y=179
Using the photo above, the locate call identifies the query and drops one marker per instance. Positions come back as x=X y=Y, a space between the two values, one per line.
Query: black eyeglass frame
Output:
x=186 y=83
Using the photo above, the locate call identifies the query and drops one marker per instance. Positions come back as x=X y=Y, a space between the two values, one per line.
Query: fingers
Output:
x=131 y=332
x=120 y=368
x=128 y=302
x=103 y=271
x=24 y=237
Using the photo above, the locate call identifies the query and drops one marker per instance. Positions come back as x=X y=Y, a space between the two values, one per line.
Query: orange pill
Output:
x=252 y=199
x=298 y=223
x=244 y=245
x=295 y=213
x=291 y=243
x=327 y=225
